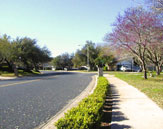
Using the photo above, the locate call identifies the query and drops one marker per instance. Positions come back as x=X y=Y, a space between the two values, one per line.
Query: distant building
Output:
x=47 y=66
x=127 y=65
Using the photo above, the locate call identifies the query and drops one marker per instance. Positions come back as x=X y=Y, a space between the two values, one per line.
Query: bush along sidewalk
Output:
x=88 y=114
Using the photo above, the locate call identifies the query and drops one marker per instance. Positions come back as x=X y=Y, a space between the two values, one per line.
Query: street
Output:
x=27 y=102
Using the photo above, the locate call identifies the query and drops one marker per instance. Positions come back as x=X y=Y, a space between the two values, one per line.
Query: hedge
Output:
x=88 y=114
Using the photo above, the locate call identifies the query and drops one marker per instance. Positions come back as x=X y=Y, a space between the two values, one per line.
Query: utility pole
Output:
x=88 y=58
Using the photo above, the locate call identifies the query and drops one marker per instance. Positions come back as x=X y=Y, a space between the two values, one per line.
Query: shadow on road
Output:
x=41 y=76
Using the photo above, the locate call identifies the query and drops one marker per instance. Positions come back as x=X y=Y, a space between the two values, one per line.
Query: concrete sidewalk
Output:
x=133 y=109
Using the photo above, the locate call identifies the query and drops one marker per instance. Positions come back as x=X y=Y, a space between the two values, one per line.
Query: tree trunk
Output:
x=26 y=65
x=100 y=71
x=35 y=67
x=145 y=74
x=9 y=65
x=1 y=60
x=158 y=70
x=144 y=70
x=15 y=70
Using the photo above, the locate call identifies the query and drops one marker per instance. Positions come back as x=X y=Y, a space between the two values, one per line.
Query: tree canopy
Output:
x=22 y=52
x=62 y=61
x=140 y=33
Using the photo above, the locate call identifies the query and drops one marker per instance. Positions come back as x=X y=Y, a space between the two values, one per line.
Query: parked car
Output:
x=125 y=68
x=129 y=68
x=83 y=68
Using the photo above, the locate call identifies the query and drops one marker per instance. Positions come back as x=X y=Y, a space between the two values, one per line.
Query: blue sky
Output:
x=61 y=25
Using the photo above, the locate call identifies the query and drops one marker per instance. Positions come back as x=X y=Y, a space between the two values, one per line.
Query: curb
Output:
x=7 y=78
x=73 y=103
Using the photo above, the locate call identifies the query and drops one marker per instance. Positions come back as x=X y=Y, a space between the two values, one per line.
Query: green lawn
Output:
x=152 y=87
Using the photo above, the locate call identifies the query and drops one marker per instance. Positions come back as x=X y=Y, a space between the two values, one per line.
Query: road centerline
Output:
x=6 y=85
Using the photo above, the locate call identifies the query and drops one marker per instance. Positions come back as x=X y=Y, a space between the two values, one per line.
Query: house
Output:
x=47 y=66
x=127 y=65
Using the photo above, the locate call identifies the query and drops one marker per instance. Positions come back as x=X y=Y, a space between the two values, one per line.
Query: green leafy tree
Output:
x=56 y=62
x=30 y=54
x=6 y=51
x=86 y=55
x=22 y=52
x=106 y=54
x=79 y=59
x=63 y=61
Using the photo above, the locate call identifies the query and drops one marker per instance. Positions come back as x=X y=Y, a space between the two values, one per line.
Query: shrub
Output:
x=87 y=115
x=105 y=68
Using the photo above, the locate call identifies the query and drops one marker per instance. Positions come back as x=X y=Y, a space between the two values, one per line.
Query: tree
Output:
x=30 y=53
x=63 y=61
x=6 y=51
x=156 y=5
x=108 y=55
x=104 y=59
x=79 y=59
x=92 y=53
x=86 y=56
x=56 y=62
x=133 y=32
x=22 y=52
x=155 y=52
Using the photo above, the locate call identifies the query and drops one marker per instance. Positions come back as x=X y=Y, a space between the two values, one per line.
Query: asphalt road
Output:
x=27 y=102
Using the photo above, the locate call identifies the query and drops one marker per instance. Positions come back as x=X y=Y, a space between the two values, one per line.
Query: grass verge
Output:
x=88 y=114
x=152 y=87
